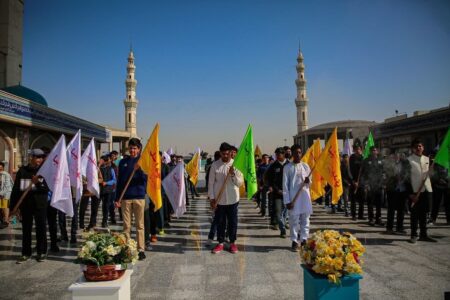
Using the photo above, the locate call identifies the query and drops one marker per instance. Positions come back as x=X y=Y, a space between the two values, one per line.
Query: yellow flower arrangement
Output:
x=331 y=253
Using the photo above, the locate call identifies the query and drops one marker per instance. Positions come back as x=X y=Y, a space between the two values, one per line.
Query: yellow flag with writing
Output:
x=150 y=162
x=318 y=183
x=192 y=168
x=329 y=166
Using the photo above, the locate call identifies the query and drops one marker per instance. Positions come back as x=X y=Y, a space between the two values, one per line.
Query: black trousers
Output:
x=374 y=199
x=357 y=196
x=52 y=215
x=94 y=210
x=107 y=207
x=30 y=211
x=419 y=215
x=396 y=204
x=438 y=195
x=271 y=206
x=227 y=215
x=74 y=225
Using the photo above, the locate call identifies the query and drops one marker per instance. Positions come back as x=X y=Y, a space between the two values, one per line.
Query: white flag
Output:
x=165 y=157
x=89 y=169
x=175 y=189
x=170 y=151
x=74 y=160
x=347 y=149
x=55 y=170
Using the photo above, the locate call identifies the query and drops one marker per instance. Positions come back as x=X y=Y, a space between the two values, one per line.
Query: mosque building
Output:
x=26 y=119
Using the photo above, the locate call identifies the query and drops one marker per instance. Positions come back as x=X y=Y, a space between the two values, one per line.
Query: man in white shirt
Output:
x=419 y=179
x=295 y=179
x=223 y=192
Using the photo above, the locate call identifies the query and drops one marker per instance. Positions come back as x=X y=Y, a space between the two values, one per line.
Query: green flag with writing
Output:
x=442 y=157
x=369 y=144
x=245 y=162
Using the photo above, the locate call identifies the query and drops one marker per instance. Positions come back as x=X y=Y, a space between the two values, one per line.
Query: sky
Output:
x=206 y=69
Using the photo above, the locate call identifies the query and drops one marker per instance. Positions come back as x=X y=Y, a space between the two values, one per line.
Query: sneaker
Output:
x=379 y=223
x=413 y=240
x=162 y=233
x=114 y=222
x=148 y=247
x=141 y=255
x=390 y=231
x=283 y=235
x=217 y=249
x=153 y=238
x=233 y=248
x=427 y=239
x=105 y=225
x=41 y=257
x=430 y=223
x=54 y=248
x=22 y=259
x=274 y=227
x=295 y=247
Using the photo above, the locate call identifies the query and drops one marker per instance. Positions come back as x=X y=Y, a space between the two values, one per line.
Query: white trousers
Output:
x=299 y=225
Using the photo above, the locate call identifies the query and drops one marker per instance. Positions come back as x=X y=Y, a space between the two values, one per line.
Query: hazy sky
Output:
x=206 y=69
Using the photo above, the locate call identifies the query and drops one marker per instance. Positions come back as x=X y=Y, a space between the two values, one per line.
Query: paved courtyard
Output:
x=182 y=267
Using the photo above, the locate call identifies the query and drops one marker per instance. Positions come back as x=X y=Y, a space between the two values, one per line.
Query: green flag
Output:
x=369 y=144
x=245 y=162
x=442 y=157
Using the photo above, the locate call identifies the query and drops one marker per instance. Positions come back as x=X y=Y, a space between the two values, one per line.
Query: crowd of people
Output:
x=403 y=184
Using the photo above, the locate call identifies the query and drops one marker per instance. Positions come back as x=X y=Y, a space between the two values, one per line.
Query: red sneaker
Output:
x=153 y=238
x=233 y=248
x=217 y=249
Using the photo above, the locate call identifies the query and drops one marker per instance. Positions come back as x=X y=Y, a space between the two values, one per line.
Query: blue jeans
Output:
x=227 y=215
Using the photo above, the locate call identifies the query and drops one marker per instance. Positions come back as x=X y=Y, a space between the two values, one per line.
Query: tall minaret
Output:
x=130 y=101
x=301 y=102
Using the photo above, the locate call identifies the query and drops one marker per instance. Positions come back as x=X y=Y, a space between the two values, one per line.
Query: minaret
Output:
x=301 y=102
x=130 y=101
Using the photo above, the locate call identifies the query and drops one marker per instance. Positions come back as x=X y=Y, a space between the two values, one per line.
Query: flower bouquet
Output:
x=331 y=253
x=105 y=256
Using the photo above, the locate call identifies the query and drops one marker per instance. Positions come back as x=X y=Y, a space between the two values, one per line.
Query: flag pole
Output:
x=222 y=188
x=16 y=207
x=421 y=186
x=125 y=188
x=291 y=204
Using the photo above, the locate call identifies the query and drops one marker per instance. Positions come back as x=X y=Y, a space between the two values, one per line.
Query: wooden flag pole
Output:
x=16 y=207
x=422 y=185
x=291 y=204
x=222 y=188
x=125 y=188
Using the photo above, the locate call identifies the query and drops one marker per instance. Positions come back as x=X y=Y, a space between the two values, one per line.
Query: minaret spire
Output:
x=130 y=101
x=301 y=102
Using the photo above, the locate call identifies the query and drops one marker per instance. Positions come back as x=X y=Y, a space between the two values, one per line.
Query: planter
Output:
x=317 y=286
x=103 y=273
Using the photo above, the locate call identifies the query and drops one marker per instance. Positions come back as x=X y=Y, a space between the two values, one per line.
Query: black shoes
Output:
x=413 y=240
x=295 y=247
x=141 y=256
x=427 y=239
x=54 y=248
x=41 y=257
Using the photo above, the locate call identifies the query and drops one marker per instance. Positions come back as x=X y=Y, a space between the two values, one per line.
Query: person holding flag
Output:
x=297 y=198
x=33 y=207
x=419 y=191
x=223 y=192
x=131 y=183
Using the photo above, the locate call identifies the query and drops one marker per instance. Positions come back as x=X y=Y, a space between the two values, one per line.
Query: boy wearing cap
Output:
x=34 y=206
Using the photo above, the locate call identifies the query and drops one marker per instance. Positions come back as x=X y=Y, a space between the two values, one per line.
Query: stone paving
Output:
x=182 y=267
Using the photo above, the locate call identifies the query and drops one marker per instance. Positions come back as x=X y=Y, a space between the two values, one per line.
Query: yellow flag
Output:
x=258 y=151
x=192 y=168
x=318 y=183
x=329 y=166
x=150 y=163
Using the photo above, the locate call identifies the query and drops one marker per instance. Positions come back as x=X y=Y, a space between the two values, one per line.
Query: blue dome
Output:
x=24 y=92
